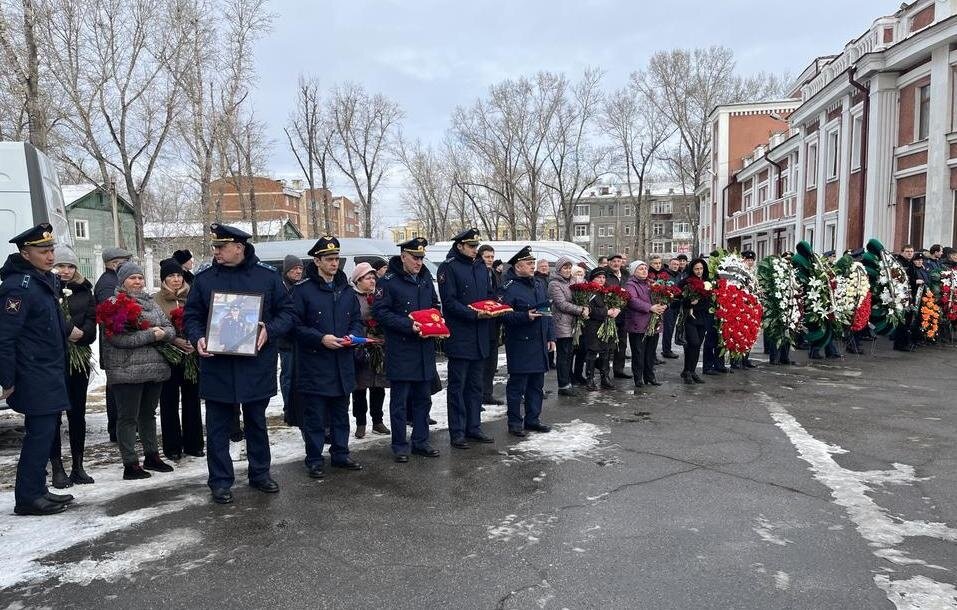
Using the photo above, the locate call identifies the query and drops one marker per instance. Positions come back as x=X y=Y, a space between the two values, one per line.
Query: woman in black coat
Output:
x=696 y=310
x=77 y=296
x=598 y=351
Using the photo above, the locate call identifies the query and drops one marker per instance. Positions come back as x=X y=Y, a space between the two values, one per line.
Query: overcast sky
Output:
x=432 y=55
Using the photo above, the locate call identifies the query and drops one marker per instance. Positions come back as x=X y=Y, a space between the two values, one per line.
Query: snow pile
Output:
x=570 y=441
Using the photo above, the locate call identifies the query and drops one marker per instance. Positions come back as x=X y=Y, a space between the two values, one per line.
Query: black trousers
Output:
x=563 y=361
x=186 y=436
x=76 y=387
x=694 y=337
x=579 y=355
x=619 y=361
x=670 y=319
x=111 y=413
x=491 y=364
x=643 y=349
x=374 y=405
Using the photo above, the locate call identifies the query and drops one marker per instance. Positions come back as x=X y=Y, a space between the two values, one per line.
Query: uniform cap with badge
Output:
x=325 y=246
x=469 y=237
x=415 y=246
x=525 y=254
x=220 y=235
x=40 y=236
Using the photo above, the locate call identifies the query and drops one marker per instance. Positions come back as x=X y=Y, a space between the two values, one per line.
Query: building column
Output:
x=938 y=206
x=881 y=140
x=844 y=176
x=818 y=244
x=800 y=187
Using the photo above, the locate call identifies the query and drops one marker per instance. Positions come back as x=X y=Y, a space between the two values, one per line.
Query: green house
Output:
x=90 y=215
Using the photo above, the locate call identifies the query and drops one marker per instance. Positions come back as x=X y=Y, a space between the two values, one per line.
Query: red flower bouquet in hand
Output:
x=582 y=294
x=615 y=298
x=191 y=364
x=663 y=291
x=120 y=314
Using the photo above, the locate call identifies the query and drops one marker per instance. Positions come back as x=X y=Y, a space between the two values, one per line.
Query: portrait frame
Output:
x=232 y=327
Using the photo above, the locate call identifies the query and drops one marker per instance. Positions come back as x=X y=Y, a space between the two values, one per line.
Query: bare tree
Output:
x=635 y=122
x=435 y=201
x=310 y=139
x=364 y=128
x=22 y=61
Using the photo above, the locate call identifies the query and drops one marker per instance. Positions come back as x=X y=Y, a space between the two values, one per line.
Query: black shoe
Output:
x=489 y=400
x=518 y=433
x=538 y=427
x=750 y=365
x=735 y=366
x=152 y=461
x=58 y=498
x=687 y=378
x=380 y=428
x=567 y=392
x=79 y=476
x=696 y=379
x=480 y=438
x=173 y=456
x=428 y=452
x=401 y=458
x=669 y=355
x=222 y=496
x=236 y=437
x=659 y=361
x=199 y=453
x=722 y=370
x=459 y=443
x=266 y=485
x=315 y=472
x=838 y=356
x=347 y=465
x=606 y=383
x=40 y=506
x=711 y=372
x=622 y=375
x=133 y=472
x=432 y=422
x=652 y=382
x=639 y=384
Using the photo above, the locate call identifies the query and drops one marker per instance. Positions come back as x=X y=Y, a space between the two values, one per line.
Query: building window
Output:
x=81 y=228
x=680 y=227
x=626 y=210
x=657 y=228
x=601 y=231
x=856 y=129
x=581 y=210
x=830 y=237
x=762 y=194
x=611 y=209
x=809 y=235
x=657 y=247
x=611 y=231
x=785 y=181
x=915 y=231
x=627 y=230
x=603 y=190
x=833 y=154
x=661 y=207
x=747 y=201
x=811 y=166
x=581 y=230
x=923 y=113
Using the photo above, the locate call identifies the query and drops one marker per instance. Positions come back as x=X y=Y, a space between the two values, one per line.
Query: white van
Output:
x=504 y=250
x=29 y=194
x=353 y=250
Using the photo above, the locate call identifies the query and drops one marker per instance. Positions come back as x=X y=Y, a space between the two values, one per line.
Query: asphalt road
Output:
x=824 y=486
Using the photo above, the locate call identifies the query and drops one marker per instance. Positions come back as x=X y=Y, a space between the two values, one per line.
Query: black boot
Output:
x=152 y=461
x=606 y=383
x=686 y=377
x=77 y=474
x=590 y=377
x=60 y=479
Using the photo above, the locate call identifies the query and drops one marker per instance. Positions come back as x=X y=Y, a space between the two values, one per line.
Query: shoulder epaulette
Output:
x=507 y=284
x=25 y=282
x=302 y=281
x=265 y=266
x=388 y=276
x=203 y=270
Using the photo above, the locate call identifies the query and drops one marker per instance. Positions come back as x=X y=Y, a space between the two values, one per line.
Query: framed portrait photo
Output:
x=233 y=324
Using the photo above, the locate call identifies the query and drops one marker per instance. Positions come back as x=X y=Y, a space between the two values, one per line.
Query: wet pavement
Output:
x=820 y=486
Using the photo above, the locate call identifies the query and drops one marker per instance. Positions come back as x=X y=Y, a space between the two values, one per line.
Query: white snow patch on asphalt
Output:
x=570 y=441
x=782 y=580
x=764 y=530
x=918 y=593
x=850 y=490
x=528 y=530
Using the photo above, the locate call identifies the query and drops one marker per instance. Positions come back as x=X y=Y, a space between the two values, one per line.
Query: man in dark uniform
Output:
x=104 y=289
x=529 y=337
x=33 y=336
x=409 y=357
x=225 y=380
x=618 y=276
x=464 y=279
x=487 y=254
x=328 y=312
x=185 y=260
x=233 y=329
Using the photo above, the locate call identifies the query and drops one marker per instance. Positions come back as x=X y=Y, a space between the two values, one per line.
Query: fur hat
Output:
x=168 y=267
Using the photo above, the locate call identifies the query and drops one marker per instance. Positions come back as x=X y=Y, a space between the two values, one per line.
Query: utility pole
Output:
x=116 y=216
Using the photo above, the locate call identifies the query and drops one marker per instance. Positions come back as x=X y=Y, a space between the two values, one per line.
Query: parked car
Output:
x=504 y=250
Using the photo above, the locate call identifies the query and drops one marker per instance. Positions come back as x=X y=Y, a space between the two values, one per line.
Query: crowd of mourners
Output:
x=335 y=341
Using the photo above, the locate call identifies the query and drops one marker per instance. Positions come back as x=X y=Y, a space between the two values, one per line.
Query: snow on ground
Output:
x=571 y=441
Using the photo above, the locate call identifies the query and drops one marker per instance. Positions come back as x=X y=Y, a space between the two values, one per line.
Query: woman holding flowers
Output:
x=370 y=358
x=696 y=305
x=643 y=323
x=598 y=348
x=135 y=328
x=186 y=436
x=79 y=307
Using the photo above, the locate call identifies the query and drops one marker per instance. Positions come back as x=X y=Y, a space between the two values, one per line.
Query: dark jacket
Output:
x=33 y=336
x=106 y=286
x=597 y=314
x=82 y=307
x=698 y=313
x=366 y=377
x=526 y=341
x=408 y=357
x=462 y=281
x=238 y=379
x=324 y=310
x=620 y=282
x=285 y=343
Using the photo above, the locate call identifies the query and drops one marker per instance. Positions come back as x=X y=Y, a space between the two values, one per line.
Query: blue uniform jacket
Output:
x=407 y=356
x=463 y=281
x=33 y=336
x=237 y=379
x=324 y=310
x=526 y=341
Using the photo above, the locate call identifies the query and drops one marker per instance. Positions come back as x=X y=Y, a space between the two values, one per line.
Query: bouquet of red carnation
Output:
x=696 y=288
x=615 y=298
x=375 y=350
x=190 y=362
x=738 y=313
x=948 y=295
x=582 y=294
x=663 y=291
x=122 y=314
x=863 y=314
